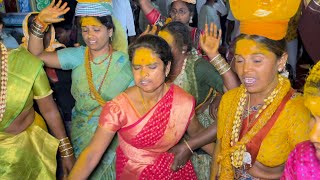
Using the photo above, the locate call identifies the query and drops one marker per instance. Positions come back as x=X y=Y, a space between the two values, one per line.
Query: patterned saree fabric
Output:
x=145 y=140
x=86 y=112
x=276 y=145
x=30 y=154
x=302 y=163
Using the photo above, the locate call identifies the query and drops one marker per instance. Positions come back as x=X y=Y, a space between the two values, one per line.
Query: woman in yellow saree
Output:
x=149 y=118
x=27 y=150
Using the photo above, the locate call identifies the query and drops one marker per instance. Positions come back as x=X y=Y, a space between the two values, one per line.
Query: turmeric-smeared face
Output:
x=148 y=69
x=256 y=66
x=167 y=36
x=95 y=34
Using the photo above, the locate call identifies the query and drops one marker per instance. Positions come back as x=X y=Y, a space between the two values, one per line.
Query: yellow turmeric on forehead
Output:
x=90 y=21
x=245 y=47
x=144 y=56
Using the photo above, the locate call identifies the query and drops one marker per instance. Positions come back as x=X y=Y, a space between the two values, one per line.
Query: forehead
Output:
x=144 y=56
x=179 y=5
x=245 y=47
x=90 y=21
x=166 y=35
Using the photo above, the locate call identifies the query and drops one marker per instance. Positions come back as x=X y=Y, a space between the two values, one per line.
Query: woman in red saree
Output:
x=150 y=118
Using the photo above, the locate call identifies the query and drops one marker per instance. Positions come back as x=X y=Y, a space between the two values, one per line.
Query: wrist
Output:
x=212 y=55
x=39 y=20
x=188 y=146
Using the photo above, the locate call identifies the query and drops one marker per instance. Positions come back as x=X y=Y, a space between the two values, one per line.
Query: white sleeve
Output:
x=129 y=20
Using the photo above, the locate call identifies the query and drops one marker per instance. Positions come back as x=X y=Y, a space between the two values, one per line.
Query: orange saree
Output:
x=144 y=141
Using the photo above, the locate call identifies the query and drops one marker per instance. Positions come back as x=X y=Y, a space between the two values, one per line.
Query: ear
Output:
x=281 y=63
x=110 y=32
x=167 y=70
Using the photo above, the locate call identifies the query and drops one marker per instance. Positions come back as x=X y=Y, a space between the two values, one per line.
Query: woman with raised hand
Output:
x=260 y=122
x=149 y=118
x=179 y=10
x=100 y=71
x=204 y=80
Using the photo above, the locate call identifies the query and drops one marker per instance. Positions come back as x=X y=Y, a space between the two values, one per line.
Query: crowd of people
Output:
x=191 y=97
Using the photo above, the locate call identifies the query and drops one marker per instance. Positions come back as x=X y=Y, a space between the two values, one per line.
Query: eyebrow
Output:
x=146 y=65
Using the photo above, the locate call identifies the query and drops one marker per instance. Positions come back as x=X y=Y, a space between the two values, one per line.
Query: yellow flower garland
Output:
x=224 y=158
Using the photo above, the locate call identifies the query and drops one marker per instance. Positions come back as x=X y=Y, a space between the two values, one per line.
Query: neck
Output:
x=97 y=53
x=177 y=64
x=151 y=98
x=258 y=98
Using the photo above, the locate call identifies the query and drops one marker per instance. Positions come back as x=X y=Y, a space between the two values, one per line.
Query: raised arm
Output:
x=47 y=16
x=146 y=6
x=209 y=42
x=91 y=155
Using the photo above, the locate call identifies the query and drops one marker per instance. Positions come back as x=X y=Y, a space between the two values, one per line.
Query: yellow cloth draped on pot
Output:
x=30 y=154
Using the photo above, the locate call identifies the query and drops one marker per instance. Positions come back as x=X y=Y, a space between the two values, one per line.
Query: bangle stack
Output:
x=65 y=147
x=188 y=146
x=38 y=28
x=220 y=64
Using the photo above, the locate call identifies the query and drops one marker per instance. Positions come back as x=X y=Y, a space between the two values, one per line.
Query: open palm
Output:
x=52 y=13
x=210 y=40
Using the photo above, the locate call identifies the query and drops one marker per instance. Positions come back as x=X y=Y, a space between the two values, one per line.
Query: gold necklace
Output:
x=92 y=88
x=237 y=156
x=4 y=80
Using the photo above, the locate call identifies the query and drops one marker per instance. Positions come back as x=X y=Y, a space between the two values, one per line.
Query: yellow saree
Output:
x=32 y=153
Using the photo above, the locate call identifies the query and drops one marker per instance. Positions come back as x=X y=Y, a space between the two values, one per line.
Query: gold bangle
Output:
x=214 y=58
x=67 y=155
x=188 y=146
x=223 y=71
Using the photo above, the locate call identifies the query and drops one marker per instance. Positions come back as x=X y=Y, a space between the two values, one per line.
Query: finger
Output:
x=52 y=3
x=58 y=4
x=201 y=40
x=206 y=29
x=64 y=5
x=154 y=29
x=174 y=165
x=215 y=31
x=220 y=34
x=212 y=31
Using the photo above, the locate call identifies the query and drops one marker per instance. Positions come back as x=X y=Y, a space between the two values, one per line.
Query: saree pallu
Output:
x=30 y=154
x=143 y=144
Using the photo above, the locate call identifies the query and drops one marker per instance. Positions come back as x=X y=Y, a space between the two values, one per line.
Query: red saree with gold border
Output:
x=144 y=141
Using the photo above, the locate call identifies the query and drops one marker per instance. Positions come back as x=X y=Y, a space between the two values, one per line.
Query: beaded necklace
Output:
x=92 y=88
x=4 y=80
x=239 y=156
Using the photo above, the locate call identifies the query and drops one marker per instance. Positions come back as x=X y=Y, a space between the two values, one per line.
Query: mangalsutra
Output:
x=4 y=80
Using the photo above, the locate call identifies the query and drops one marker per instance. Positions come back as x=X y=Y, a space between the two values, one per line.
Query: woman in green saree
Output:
x=199 y=78
x=100 y=71
x=27 y=150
